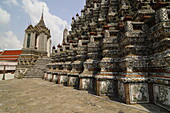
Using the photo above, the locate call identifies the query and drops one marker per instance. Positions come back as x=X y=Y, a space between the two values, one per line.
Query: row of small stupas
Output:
x=118 y=48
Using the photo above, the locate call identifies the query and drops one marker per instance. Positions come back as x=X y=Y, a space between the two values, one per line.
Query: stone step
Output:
x=38 y=69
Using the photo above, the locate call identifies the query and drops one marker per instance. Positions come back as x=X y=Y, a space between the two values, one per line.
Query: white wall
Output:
x=9 y=65
x=8 y=76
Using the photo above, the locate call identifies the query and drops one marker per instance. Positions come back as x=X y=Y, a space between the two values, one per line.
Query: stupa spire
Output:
x=42 y=16
x=41 y=22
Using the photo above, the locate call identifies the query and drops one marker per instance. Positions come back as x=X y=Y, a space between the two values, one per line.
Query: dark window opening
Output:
x=74 y=45
x=84 y=43
x=137 y=27
x=28 y=40
x=36 y=41
x=67 y=48
x=169 y=15
x=113 y=33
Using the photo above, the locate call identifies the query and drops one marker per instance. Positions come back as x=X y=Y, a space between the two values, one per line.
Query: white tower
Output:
x=38 y=37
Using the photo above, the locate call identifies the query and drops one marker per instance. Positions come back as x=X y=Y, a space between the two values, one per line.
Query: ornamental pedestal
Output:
x=49 y=76
x=132 y=81
x=161 y=93
x=59 y=71
x=73 y=79
x=106 y=79
x=54 y=78
x=62 y=77
x=45 y=76
x=87 y=83
x=87 y=80
x=77 y=66
x=159 y=37
x=64 y=74
x=91 y=65
x=106 y=85
x=133 y=90
x=55 y=72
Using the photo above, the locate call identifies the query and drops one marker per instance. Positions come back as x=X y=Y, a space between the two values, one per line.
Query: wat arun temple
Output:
x=115 y=48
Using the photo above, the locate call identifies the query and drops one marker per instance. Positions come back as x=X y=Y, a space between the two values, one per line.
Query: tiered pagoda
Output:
x=118 y=48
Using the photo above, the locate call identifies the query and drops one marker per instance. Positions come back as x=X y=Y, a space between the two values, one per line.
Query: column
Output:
x=45 y=43
x=25 y=41
x=32 y=45
x=42 y=42
x=48 y=47
x=38 y=42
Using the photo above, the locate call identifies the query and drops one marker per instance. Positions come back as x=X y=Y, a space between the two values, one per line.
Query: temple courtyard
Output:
x=39 y=96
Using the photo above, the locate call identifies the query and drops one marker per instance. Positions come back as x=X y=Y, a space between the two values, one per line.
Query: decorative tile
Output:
x=139 y=93
x=162 y=96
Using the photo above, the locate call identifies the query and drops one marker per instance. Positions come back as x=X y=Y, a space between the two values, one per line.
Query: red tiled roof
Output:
x=10 y=55
x=12 y=52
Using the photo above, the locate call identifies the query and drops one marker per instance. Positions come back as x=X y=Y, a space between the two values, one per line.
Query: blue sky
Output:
x=16 y=15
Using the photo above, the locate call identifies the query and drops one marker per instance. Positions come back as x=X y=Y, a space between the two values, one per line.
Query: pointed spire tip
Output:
x=42 y=16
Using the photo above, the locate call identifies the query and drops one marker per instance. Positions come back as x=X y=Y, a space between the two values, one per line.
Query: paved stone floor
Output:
x=39 y=96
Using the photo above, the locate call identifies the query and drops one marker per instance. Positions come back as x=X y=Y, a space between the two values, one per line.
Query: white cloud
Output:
x=8 y=40
x=11 y=2
x=54 y=23
x=5 y=17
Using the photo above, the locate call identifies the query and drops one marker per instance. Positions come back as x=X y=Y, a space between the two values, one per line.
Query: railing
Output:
x=3 y=78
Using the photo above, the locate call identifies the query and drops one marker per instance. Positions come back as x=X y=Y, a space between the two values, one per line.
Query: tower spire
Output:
x=41 y=22
x=42 y=16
